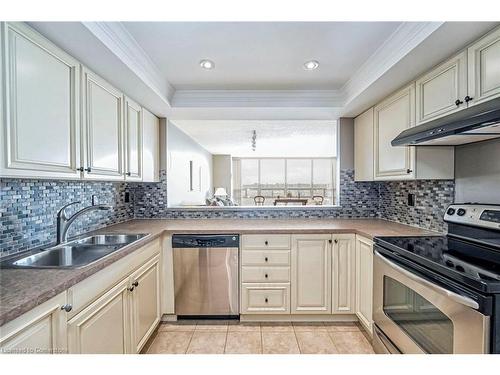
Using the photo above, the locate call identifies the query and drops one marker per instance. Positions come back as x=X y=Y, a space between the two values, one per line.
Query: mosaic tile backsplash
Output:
x=28 y=210
x=28 y=207
x=432 y=197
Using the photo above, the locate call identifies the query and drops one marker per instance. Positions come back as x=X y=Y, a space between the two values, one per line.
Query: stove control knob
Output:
x=460 y=212
x=450 y=211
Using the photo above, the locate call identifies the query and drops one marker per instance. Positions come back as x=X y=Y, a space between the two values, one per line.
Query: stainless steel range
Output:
x=440 y=294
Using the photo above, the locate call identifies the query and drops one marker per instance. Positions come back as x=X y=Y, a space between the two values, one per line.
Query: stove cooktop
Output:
x=468 y=263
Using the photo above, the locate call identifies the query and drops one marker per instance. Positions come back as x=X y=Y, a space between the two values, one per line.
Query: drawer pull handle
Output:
x=266 y=275
x=135 y=283
x=266 y=242
x=266 y=259
x=266 y=300
x=336 y=241
x=67 y=307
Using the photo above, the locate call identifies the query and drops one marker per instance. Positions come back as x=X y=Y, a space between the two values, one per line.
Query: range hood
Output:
x=474 y=124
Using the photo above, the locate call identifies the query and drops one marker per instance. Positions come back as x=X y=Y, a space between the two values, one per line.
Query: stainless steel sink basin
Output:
x=110 y=239
x=75 y=254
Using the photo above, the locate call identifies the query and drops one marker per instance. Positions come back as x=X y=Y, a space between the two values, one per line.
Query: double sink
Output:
x=74 y=254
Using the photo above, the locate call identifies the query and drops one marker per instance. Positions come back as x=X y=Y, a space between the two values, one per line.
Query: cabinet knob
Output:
x=131 y=289
x=128 y=174
x=468 y=98
x=336 y=241
x=458 y=102
x=266 y=259
x=409 y=171
x=266 y=300
x=88 y=169
x=67 y=307
x=266 y=243
x=266 y=275
x=135 y=283
x=80 y=169
x=330 y=241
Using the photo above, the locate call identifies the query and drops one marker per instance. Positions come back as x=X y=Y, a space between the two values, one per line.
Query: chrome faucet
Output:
x=64 y=222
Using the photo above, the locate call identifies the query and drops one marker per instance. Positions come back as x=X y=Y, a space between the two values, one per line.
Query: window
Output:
x=285 y=181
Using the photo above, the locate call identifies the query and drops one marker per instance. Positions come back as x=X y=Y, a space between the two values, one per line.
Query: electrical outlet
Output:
x=411 y=199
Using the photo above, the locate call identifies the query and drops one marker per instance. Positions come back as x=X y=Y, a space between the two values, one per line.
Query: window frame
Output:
x=334 y=162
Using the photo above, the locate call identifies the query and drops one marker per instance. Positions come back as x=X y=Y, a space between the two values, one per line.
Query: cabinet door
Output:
x=145 y=303
x=39 y=331
x=364 y=282
x=343 y=274
x=103 y=327
x=439 y=91
x=392 y=116
x=103 y=128
x=150 y=147
x=40 y=134
x=133 y=140
x=363 y=146
x=483 y=62
x=311 y=274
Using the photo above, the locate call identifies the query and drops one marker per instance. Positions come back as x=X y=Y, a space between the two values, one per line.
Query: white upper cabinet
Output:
x=363 y=150
x=150 y=147
x=133 y=140
x=103 y=128
x=40 y=134
x=484 y=71
x=391 y=117
x=311 y=274
x=442 y=90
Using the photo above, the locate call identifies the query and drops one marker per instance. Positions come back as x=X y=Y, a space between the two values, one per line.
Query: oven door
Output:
x=418 y=316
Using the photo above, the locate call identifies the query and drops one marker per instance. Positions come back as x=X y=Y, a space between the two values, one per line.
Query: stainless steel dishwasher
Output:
x=206 y=275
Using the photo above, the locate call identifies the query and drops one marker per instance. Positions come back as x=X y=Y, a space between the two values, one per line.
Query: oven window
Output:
x=421 y=320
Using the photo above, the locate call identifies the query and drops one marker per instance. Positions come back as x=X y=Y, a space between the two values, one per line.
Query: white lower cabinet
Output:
x=103 y=327
x=39 y=331
x=311 y=274
x=145 y=299
x=344 y=274
x=364 y=282
x=123 y=318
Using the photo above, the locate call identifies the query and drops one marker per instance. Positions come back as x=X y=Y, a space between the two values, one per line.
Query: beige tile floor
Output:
x=230 y=337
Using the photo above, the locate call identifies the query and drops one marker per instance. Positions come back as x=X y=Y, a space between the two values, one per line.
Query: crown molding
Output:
x=403 y=40
x=119 y=41
x=257 y=98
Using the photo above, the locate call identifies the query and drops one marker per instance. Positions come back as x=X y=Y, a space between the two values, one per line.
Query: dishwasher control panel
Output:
x=205 y=240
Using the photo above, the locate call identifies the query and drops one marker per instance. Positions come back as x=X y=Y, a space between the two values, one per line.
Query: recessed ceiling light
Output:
x=207 y=64
x=311 y=65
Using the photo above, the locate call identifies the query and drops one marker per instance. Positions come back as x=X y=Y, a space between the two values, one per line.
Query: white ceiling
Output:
x=259 y=73
x=274 y=138
x=259 y=55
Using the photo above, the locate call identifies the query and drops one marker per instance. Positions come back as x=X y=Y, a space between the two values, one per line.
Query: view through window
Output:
x=284 y=181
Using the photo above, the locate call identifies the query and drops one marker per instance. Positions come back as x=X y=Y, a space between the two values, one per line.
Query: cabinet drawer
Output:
x=265 y=274
x=265 y=298
x=265 y=258
x=266 y=241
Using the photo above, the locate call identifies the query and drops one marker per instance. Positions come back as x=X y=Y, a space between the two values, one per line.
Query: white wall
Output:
x=181 y=150
x=222 y=173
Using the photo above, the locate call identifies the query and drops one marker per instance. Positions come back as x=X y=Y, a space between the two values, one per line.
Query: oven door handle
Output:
x=466 y=301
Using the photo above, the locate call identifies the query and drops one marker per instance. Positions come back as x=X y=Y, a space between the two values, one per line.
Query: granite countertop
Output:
x=23 y=289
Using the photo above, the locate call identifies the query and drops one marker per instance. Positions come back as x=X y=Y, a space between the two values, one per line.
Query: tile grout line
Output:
x=190 y=339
